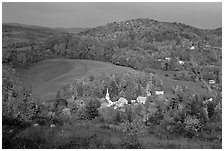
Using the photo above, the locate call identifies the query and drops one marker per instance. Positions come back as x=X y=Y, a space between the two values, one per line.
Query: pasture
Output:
x=48 y=76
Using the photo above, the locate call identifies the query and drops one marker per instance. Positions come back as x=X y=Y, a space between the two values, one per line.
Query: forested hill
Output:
x=15 y=35
x=152 y=30
x=122 y=43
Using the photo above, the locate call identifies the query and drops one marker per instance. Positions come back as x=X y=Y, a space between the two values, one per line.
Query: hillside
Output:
x=134 y=84
x=19 y=35
x=142 y=44
x=154 y=30
x=71 y=30
x=48 y=76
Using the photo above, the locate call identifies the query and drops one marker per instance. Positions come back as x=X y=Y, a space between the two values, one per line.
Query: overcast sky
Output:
x=201 y=15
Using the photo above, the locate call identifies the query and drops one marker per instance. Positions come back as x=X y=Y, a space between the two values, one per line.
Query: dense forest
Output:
x=160 y=53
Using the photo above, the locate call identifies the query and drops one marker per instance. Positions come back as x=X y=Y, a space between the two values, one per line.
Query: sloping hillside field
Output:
x=48 y=76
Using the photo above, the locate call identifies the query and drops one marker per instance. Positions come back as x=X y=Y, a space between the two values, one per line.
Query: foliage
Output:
x=127 y=85
x=92 y=105
x=17 y=99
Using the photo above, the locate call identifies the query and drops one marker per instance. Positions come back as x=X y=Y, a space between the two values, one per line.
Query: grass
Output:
x=169 y=83
x=87 y=134
x=46 y=77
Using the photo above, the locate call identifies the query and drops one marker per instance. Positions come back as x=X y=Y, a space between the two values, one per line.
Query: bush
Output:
x=18 y=101
x=92 y=105
x=112 y=116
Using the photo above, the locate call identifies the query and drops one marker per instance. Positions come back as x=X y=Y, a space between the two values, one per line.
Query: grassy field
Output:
x=87 y=134
x=169 y=82
x=46 y=77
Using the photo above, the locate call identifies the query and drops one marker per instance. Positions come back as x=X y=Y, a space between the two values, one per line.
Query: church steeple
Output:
x=108 y=97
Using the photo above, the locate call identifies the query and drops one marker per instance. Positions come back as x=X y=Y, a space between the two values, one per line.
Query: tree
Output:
x=92 y=105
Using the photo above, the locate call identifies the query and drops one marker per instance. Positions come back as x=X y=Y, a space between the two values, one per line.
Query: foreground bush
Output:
x=17 y=100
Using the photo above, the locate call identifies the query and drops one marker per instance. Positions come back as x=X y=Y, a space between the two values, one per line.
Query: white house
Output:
x=211 y=81
x=209 y=100
x=167 y=58
x=120 y=103
x=192 y=47
x=52 y=125
x=141 y=99
x=181 y=62
x=207 y=45
x=159 y=92
x=133 y=101
x=36 y=124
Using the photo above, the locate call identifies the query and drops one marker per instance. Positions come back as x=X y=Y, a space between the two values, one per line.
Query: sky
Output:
x=205 y=15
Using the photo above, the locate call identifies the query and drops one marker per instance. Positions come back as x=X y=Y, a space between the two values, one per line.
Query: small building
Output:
x=120 y=103
x=36 y=124
x=207 y=45
x=192 y=47
x=141 y=99
x=159 y=92
x=167 y=58
x=211 y=81
x=208 y=100
x=181 y=62
x=133 y=101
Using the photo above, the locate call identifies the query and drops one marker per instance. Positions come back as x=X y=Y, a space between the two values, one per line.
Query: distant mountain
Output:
x=60 y=29
x=19 y=35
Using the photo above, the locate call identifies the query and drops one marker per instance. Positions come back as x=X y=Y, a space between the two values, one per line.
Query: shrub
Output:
x=18 y=101
x=92 y=105
x=111 y=115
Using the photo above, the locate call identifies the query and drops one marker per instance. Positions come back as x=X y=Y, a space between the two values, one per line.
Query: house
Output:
x=209 y=100
x=120 y=103
x=36 y=124
x=181 y=62
x=159 y=92
x=192 y=47
x=167 y=58
x=141 y=99
x=52 y=125
x=211 y=81
x=133 y=101
x=207 y=46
